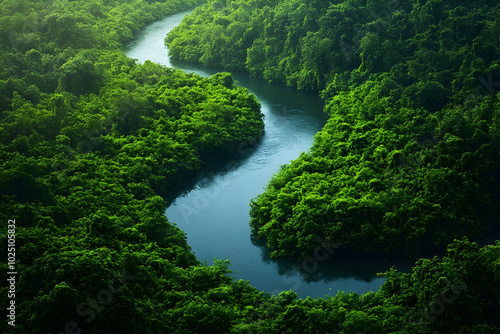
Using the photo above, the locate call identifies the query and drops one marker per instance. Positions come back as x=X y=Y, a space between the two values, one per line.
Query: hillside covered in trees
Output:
x=90 y=141
x=409 y=159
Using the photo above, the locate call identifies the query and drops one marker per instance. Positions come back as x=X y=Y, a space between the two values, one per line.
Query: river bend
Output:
x=213 y=209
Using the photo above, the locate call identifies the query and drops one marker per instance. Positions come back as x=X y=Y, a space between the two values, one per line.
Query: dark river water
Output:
x=213 y=209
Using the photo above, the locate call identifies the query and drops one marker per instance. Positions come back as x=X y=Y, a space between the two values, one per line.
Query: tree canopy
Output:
x=409 y=158
x=91 y=142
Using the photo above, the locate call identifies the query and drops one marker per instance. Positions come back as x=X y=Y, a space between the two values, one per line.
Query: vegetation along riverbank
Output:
x=407 y=163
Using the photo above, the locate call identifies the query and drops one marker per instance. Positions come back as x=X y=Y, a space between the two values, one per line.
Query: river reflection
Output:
x=326 y=268
x=213 y=208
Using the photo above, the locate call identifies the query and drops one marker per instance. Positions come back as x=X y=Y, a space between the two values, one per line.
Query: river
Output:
x=213 y=209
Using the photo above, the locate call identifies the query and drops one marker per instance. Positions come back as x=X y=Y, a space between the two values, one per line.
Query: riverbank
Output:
x=214 y=208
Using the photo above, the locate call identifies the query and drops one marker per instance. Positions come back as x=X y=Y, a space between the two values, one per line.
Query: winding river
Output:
x=213 y=208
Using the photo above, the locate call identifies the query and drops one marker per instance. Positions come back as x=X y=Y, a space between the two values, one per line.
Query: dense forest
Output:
x=91 y=142
x=409 y=159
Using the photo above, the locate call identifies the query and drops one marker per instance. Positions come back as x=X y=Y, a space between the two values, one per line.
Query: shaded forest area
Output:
x=89 y=141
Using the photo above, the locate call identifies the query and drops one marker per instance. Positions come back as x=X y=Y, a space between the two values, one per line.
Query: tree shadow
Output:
x=328 y=268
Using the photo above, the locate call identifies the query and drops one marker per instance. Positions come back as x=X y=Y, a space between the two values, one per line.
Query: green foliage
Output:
x=81 y=174
x=382 y=178
x=89 y=141
x=409 y=157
